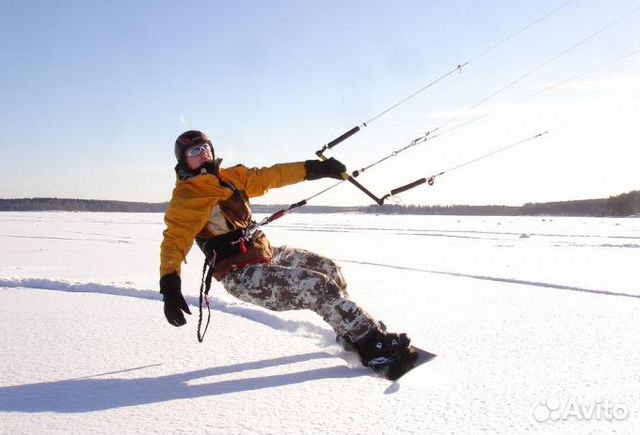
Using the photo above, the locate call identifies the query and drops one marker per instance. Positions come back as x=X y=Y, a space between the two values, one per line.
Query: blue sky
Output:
x=93 y=95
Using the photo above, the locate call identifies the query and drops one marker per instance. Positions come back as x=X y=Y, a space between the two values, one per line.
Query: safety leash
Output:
x=205 y=286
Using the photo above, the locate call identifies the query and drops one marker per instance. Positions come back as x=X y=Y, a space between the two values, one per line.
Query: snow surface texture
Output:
x=534 y=321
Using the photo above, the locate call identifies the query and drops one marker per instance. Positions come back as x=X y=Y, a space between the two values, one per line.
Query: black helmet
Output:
x=188 y=139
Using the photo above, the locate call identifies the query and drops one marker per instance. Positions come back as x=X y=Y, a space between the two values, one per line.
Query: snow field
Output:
x=507 y=303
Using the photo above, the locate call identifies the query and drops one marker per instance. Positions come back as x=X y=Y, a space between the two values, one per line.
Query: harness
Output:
x=230 y=251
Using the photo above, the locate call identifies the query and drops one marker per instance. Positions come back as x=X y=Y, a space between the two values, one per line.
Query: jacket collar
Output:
x=184 y=173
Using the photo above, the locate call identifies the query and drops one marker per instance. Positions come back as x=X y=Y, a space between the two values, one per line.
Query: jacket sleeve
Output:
x=258 y=181
x=183 y=220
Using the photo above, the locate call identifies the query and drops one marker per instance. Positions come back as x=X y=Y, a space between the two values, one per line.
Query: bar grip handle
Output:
x=347 y=135
x=408 y=186
x=339 y=139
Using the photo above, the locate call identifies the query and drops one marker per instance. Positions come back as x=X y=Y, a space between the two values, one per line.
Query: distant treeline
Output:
x=67 y=204
x=627 y=204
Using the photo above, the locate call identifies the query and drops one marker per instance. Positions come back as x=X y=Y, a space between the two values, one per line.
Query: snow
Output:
x=531 y=317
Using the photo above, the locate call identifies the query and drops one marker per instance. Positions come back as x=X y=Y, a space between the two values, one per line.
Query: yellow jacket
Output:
x=193 y=200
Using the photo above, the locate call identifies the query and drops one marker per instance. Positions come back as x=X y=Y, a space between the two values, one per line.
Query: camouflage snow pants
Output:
x=299 y=279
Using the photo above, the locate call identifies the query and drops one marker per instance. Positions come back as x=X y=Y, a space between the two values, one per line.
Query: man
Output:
x=210 y=205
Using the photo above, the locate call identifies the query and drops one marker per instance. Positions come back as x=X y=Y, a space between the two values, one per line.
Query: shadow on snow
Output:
x=91 y=394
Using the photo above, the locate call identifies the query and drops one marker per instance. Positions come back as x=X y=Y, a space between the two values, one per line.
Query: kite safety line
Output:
x=580 y=75
x=526 y=98
x=431 y=180
x=438 y=131
x=357 y=128
x=531 y=24
x=432 y=134
x=252 y=230
x=538 y=68
x=458 y=68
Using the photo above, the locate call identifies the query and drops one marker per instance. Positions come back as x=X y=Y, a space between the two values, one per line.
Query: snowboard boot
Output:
x=347 y=344
x=380 y=348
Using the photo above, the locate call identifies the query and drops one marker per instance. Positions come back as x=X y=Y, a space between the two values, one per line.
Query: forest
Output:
x=623 y=205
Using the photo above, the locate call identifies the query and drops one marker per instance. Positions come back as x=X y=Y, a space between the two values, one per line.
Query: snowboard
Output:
x=397 y=367
x=405 y=362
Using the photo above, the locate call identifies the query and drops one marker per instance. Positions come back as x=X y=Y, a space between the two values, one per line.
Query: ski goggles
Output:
x=195 y=151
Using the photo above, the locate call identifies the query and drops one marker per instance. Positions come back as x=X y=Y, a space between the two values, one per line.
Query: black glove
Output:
x=324 y=168
x=174 y=303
